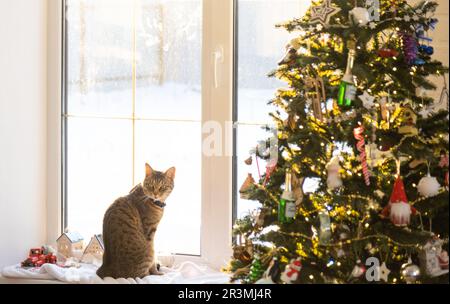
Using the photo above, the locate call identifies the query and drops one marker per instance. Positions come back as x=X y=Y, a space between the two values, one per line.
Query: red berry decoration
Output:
x=387 y=53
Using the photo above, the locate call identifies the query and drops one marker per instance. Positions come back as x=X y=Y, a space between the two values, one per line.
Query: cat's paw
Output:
x=156 y=272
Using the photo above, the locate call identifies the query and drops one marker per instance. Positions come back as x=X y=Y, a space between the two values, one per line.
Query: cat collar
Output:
x=159 y=204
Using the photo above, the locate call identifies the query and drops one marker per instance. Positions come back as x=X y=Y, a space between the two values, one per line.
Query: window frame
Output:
x=217 y=105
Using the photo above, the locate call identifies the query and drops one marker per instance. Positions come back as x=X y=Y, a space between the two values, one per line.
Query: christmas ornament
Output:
x=246 y=186
x=292 y=271
x=443 y=163
x=256 y=270
x=291 y=122
x=347 y=89
x=358 y=270
x=371 y=249
x=428 y=186
x=289 y=56
x=399 y=210
x=272 y=273
x=360 y=145
x=333 y=178
x=384 y=108
x=429 y=50
x=443 y=260
x=325 y=227
x=373 y=9
x=261 y=217
x=383 y=272
x=367 y=100
x=291 y=52
x=376 y=157
x=410 y=48
x=360 y=16
x=433 y=259
x=297 y=188
x=318 y=95
x=408 y=119
x=270 y=167
x=242 y=254
x=323 y=12
x=387 y=53
x=343 y=231
x=249 y=161
x=410 y=272
x=286 y=207
x=416 y=162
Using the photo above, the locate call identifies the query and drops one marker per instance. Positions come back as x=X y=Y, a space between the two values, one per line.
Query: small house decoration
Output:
x=433 y=259
x=246 y=186
x=70 y=244
x=95 y=248
x=407 y=120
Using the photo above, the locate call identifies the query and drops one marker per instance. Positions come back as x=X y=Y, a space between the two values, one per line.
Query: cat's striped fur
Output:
x=129 y=227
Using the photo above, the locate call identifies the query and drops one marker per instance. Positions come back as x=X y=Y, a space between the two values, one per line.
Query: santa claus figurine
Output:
x=443 y=259
x=291 y=272
x=399 y=210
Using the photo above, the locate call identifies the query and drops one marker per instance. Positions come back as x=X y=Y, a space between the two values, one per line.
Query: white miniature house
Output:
x=95 y=248
x=434 y=259
x=69 y=244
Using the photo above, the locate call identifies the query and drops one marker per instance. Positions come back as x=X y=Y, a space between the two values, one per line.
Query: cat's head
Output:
x=158 y=185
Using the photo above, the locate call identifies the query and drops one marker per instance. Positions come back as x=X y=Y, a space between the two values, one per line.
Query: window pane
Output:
x=260 y=48
x=164 y=145
x=140 y=57
x=99 y=57
x=168 y=59
x=99 y=170
x=248 y=137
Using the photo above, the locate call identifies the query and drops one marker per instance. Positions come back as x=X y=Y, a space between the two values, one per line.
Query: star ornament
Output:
x=323 y=12
x=367 y=100
x=383 y=272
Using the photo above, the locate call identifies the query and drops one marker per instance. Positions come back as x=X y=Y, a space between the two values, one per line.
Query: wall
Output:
x=23 y=127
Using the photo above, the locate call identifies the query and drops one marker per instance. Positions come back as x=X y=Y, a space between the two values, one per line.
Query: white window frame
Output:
x=217 y=101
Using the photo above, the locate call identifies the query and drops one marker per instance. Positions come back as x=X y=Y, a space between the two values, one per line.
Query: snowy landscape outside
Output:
x=167 y=104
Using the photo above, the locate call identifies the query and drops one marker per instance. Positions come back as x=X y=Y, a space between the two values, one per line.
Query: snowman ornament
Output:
x=333 y=179
x=292 y=271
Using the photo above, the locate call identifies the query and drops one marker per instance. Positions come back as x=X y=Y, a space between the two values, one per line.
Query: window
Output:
x=133 y=94
x=140 y=79
x=259 y=48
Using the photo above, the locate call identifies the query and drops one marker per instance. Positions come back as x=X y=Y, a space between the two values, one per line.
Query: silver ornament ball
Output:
x=410 y=272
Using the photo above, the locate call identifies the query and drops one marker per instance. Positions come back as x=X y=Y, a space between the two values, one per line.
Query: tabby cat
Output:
x=129 y=227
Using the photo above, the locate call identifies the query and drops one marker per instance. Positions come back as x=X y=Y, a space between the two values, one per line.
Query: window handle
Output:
x=218 y=58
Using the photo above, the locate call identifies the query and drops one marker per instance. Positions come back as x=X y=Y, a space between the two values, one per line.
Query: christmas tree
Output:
x=355 y=117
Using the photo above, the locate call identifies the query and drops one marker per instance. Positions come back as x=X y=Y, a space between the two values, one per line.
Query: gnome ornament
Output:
x=333 y=179
x=292 y=271
x=399 y=210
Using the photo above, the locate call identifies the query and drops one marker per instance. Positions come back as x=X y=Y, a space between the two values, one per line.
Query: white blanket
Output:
x=185 y=273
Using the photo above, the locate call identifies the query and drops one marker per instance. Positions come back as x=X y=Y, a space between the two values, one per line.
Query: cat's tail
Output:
x=101 y=272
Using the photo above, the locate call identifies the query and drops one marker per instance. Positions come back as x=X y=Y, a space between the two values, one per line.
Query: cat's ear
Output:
x=148 y=170
x=171 y=173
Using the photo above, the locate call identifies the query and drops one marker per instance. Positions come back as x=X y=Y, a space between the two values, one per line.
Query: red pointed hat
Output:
x=398 y=193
